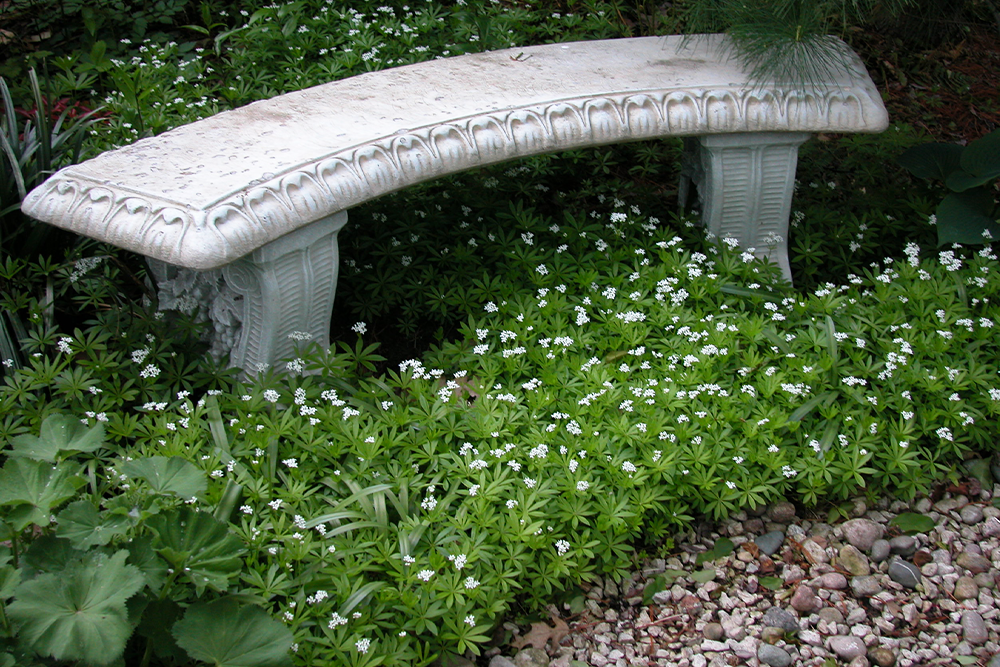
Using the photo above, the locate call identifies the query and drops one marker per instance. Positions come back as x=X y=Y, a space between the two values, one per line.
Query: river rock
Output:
x=804 y=600
x=773 y=655
x=768 y=543
x=974 y=563
x=851 y=559
x=847 y=647
x=904 y=573
x=863 y=587
x=780 y=512
x=904 y=545
x=882 y=656
x=880 y=551
x=966 y=589
x=780 y=618
x=974 y=628
x=531 y=657
x=861 y=533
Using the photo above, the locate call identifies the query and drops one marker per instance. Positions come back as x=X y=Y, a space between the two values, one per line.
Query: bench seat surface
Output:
x=208 y=193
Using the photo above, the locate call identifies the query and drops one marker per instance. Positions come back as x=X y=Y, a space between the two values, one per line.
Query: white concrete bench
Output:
x=254 y=197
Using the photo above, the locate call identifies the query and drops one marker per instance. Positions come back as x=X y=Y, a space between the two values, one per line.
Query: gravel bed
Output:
x=799 y=592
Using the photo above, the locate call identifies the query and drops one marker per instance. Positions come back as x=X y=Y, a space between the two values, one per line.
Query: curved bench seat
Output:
x=212 y=193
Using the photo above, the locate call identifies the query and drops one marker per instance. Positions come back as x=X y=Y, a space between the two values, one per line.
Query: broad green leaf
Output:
x=722 y=547
x=932 y=161
x=980 y=469
x=157 y=623
x=911 y=523
x=962 y=217
x=84 y=526
x=703 y=576
x=167 y=475
x=657 y=585
x=966 y=659
x=7 y=660
x=59 y=433
x=34 y=488
x=143 y=556
x=49 y=553
x=771 y=583
x=78 y=614
x=9 y=580
x=198 y=545
x=224 y=634
x=981 y=158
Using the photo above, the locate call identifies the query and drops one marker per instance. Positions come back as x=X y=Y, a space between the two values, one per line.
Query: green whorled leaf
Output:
x=912 y=523
x=84 y=526
x=224 y=634
x=198 y=545
x=932 y=161
x=59 y=433
x=962 y=217
x=78 y=614
x=981 y=158
x=34 y=488
x=143 y=556
x=770 y=583
x=171 y=475
x=703 y=576
x=722 y=547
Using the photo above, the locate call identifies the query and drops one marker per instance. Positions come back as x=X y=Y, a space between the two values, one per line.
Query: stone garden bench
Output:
x=240 y=211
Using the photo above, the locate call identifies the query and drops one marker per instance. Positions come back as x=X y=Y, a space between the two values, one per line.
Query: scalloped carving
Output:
x=237 y=222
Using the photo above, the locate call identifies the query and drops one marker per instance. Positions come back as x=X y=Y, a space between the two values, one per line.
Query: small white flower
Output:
x=425 y=575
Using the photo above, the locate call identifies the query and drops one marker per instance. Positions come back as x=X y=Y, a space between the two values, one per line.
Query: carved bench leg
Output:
x=254 y=303
x=286 y=286
x=745 y=184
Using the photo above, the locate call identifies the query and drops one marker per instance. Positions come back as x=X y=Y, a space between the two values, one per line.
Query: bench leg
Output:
x=287 y=287
x=258 y=301
x=745 y=183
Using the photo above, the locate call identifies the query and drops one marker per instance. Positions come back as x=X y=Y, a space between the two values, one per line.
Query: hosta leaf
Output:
x=59 y=433
x=198 y=545
x=912 y=523
x=84 y=526
x=224 y=634
x=167 y=475
x=962 y=217
x=78 y=614
x=35 y=488
x=982 y=157
x=932 y=161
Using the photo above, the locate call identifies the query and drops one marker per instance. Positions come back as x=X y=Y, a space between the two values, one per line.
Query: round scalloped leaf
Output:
x=982 y=157
x=78 y=614
x=84 y=526
x=963 y=217
x=59 y=433
x=34 y=488
x=198 y=545
x=167 y=475
x=224 y=634
x=932 y=161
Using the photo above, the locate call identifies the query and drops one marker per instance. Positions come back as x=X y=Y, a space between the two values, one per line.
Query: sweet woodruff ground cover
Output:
x=615 y=382
x=569 y=373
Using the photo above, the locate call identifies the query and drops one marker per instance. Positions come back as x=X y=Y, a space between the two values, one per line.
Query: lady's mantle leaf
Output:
x=198 y=545
x=911 y=523
x=224 y=634
x=59 y=433
x=85 y=527
x=34 y=488
x=78 y=614
x=168 y=475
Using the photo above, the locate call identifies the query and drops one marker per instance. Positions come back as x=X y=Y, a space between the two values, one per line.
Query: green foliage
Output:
x=224 y=634
x=967 y=214
x=912 y=524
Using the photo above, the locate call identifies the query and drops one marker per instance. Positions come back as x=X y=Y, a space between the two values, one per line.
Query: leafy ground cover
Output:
x=542 y=371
